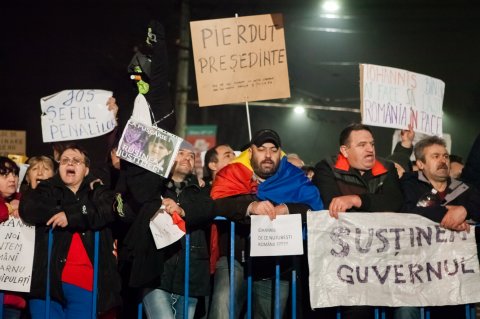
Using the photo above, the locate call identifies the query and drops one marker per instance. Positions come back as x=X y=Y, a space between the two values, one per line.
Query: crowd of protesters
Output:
x=70 y=201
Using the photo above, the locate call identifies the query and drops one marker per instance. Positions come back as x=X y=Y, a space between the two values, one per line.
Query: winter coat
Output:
x=378 y=188
x=164 y=268
x=87 y=211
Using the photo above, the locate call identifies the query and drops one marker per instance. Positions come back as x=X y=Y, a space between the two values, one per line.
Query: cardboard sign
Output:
x=279 y=237
x=75 y=115
x=17 y=244
x=389 y=259
x=240 y=59
x=149 y=147
x=13 y=142
x=395 y=98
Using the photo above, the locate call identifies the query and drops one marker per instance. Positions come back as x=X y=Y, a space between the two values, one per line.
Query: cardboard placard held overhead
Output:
x=395 y=98
x=240 y=59
x=13 y=142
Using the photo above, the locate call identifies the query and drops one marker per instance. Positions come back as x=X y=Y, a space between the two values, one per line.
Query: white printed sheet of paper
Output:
x=279 y=237
x=395 y=98
x=164 y=231
x=149 y=147
x=17 y=245
x=75 y=115
x=389 y=259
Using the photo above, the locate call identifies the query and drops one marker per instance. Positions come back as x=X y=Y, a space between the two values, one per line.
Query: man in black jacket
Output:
x=431 y=192
x=356 y=180
x=237 y=191
x=161 y=272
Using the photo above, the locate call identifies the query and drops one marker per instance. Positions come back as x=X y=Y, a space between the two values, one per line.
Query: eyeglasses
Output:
x=73 y=161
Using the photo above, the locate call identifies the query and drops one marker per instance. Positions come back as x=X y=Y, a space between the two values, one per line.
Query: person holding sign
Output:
x=357 y=181
x=160 y=272
x=9 y=202
x=432 y=193
x=260 y=181
x=75 y=205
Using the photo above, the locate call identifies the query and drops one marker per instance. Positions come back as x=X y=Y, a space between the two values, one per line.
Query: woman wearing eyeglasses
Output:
x=74 y=205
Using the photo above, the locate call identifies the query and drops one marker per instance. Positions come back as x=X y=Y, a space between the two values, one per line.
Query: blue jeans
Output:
x=406 y=313
x=220 y=307
x=262 y=298
x=159 y=303
x=79 y=305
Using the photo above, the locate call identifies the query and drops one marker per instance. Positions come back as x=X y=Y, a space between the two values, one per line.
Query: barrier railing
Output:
x=470 y=312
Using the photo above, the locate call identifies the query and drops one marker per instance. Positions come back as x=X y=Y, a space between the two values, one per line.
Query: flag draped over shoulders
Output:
x=288 y=185
x=235 y=178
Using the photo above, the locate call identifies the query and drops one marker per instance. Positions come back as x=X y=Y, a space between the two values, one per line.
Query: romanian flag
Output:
x=288 y=185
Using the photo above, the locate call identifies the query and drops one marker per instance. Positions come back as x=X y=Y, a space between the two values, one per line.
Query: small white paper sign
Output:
x=17 y=246
x=164 y=231
x=279 y=237
x=75 y=115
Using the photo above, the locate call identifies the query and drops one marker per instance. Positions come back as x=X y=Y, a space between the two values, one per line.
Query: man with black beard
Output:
x=260 y=181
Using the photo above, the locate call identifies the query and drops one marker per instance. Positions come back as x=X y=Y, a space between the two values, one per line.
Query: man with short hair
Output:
x=216 y=158
x=432 y=193
x=260 y=181
x=356 y=180
x=160 y=272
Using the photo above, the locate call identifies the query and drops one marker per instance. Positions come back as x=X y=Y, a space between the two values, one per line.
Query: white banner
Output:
x=75 y=115
x=395 y=98
x=279 y=237
x=17 y=244
x=389 y=259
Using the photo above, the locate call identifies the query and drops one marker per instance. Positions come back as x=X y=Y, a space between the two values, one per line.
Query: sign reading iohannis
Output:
x=395 y=98
x=240 y=59
x=76 y=114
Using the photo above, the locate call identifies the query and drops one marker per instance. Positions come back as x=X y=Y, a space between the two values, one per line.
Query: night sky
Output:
x=50 y=46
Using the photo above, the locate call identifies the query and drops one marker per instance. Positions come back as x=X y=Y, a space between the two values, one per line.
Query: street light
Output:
x=330 y=6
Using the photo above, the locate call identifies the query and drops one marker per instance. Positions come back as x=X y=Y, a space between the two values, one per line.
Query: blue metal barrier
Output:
x=95 y=274
x=1 y=306
x=379 y=312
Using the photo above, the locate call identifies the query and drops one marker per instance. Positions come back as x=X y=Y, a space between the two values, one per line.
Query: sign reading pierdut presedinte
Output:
x=17 y=243
x=76 y=114
x=389 y=259
x=240 y=59
x=395 y=98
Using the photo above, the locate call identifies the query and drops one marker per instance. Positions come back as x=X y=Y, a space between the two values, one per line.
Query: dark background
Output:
x=50 y=46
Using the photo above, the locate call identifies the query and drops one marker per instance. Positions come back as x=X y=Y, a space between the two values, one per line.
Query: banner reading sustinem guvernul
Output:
x=389 y=259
